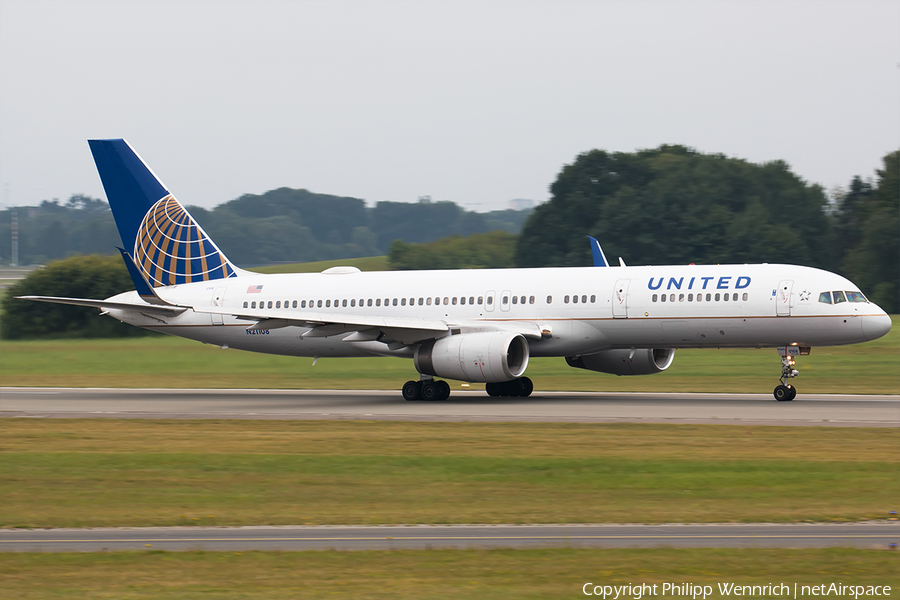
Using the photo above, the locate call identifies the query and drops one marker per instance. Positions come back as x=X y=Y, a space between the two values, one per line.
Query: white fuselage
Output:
x=617 y=307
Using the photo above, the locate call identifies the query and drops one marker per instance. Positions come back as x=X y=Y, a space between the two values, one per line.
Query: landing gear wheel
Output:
x=492 y=389
x=443 y=388
x=430 y=391
x=784 y=393
x=527 y=387
x=411 y=391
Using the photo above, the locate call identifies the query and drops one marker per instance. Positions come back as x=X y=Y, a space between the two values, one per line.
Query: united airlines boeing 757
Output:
x=469 y=325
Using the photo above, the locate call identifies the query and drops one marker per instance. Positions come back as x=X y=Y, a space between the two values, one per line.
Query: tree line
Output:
x=283 y=225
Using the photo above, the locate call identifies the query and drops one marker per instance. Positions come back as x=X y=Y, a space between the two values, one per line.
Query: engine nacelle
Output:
x=645 y=361
x=483 y=357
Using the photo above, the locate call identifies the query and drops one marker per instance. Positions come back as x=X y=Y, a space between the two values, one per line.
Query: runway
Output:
x=425 y=537
x=579 y=407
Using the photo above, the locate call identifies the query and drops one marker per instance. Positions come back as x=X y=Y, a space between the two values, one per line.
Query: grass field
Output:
x=368 y=263
x=161 y=361
x=91 y=473
x=443 y=574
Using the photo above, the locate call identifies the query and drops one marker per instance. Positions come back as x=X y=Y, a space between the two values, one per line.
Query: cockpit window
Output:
x=856 y=297
x=839 y=297
x=825 y=297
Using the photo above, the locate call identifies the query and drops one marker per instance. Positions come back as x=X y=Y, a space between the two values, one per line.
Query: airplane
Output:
x=472 y=325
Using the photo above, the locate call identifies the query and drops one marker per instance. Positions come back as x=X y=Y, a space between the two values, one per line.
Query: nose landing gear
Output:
x=786 y=392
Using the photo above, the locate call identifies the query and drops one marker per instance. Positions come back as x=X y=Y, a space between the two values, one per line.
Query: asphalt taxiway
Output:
x=880 y=535
x=580 y=407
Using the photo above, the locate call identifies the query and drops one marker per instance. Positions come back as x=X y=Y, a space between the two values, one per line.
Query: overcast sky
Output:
x=475 y=102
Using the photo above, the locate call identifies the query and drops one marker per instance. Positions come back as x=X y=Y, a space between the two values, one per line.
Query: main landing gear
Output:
x=787 y=392
x=517 y=388
x=426 y=389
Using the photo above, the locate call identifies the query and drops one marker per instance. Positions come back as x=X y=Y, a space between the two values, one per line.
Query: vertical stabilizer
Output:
x=167 y=245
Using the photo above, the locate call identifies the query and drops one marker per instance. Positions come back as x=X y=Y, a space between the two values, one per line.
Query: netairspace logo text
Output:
x=690 y=590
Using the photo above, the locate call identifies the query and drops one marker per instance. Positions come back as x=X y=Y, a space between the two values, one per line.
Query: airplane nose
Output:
x=875 y=326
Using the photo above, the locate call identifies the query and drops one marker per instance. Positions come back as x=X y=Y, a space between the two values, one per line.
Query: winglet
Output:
x=597 y=252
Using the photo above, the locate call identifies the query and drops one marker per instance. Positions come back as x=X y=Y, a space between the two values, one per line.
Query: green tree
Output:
x=96 y=277
x=673 y=204
x=874 y=263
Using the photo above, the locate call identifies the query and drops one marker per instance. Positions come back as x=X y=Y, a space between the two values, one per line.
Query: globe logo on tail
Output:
x=171 y=248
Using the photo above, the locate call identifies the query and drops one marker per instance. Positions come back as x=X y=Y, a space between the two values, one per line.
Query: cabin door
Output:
x=489 y=301
x=783 y=298
x=218 y=301
x=620 y=299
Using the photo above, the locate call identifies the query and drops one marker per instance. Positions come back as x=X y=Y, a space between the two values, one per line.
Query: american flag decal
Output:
x=254 y=289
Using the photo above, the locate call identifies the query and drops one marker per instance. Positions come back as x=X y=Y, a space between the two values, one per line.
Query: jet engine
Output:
x=642 y=361
x=483 y=357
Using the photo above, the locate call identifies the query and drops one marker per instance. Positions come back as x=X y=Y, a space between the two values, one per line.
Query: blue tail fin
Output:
x=166 y=243
x=597 y=253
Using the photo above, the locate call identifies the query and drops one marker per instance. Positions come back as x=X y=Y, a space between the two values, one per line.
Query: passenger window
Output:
x=734 y=297
x=699 y=297
x=530 y=299
x=746 y=296
x=369 y=302
x=654 y=298
x=825 y=297
x=270 y=304
x=681 y=297
x=490 y=300
x=421 y=301
x=472 y=300
x=303 y=304
x=278 y=304
x=662 y=298
x=352 y=302
x=505 y=299
x=394 y=302
x=856 y=297
x=593 y=298
x=245 y=305
x=515 y=299
x=709 y=297
x=446 y=300
x=253 y=304
x=453 y=301
x=671 y=297
x=294 y=304
x=428 y=301
x=584 y=299
x=725 y=298
x=549 y=299
x=690 y=297
x=839 y=297
x=717 y=297
x=319 y=304
x=377 y=301
x=344 y=303
x=402 y=301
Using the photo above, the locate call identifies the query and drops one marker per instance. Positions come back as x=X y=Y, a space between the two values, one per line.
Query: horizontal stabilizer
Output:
x=107 y=305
